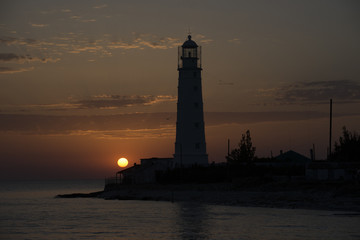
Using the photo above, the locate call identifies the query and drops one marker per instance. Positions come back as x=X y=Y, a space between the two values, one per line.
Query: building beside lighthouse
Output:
x=190 y=145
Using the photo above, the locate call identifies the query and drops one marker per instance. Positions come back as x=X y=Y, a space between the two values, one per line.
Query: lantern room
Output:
x=189 y=55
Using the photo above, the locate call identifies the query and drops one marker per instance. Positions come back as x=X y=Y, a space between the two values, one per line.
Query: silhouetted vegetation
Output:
x=216 y=173
x=245 y=151
x=348 y=147
x=265 y=171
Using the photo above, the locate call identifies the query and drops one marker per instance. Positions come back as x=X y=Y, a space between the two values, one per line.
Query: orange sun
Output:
x=122 y=162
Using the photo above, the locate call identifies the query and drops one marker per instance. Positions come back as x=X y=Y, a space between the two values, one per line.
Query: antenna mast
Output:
x=189 y=31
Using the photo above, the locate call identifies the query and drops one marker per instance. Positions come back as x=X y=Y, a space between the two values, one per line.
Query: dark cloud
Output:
x=95 y=102
x=8 y=40
x=12 y=57
x=7 y=57
x=19 y=41
x=5 y=69
x=222 y=118
x=116 y=101
x=10 y=70
x=316 y=92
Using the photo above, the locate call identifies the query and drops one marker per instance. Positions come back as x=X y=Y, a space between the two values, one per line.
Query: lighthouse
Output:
x=190 y=145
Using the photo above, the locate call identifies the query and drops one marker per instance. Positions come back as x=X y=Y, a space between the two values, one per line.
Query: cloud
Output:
x=202 y=39
x=226 y=118
x=206 y=41
x=9 y=70
x=117 y=101
x=235 y=40
x=80 y=19
x=17 y=41
x=160 y=132
x=12 y=57
x=38 y=25
x=162 y=98
x=78 y=43
x=75 y=17
x=315 y=92
x=7 y=40
x=88 y=20
x=100 y=6
x=103 y=101
x=122 y=45
x=155 y=42
x=92 y=49
x=6 y=57
x=155 y=45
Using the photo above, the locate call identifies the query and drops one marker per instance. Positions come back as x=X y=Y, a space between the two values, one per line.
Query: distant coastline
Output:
x=320 y=196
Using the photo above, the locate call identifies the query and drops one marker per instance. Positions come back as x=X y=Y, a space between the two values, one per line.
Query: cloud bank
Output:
x=315 y=92
x=136 y=124
x=71 y=43
x=55 y=48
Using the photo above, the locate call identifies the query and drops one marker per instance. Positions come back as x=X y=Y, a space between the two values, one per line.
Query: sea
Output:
x=29 y=210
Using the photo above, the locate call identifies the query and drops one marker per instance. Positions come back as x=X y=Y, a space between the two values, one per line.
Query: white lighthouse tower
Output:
x=190 y=146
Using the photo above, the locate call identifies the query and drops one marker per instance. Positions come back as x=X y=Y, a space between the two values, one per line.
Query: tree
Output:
x=245 y=151
x=348 y=148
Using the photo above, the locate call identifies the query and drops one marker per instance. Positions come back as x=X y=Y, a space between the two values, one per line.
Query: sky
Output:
x=83 y=83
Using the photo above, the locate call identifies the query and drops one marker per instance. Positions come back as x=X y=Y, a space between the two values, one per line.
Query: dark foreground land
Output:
x=343 y=196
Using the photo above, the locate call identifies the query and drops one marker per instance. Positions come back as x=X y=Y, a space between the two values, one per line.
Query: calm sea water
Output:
x=28 y=210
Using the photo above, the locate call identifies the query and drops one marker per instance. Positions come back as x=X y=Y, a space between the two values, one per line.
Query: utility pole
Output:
x=228 y=147
x=330 y=130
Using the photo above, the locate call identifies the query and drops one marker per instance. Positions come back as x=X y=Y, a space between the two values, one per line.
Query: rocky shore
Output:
x=325 y=196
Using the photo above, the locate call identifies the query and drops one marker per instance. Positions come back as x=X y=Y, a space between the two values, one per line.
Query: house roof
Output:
x=292 y=156
x=156 y=159
x=129 y=169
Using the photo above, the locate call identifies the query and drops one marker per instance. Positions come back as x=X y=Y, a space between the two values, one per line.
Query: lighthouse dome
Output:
x=189 y=43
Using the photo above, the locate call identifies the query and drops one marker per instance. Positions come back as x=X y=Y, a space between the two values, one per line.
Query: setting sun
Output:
x=122 y=162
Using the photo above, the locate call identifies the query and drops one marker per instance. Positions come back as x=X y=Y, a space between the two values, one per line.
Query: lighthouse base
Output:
x=188 y=160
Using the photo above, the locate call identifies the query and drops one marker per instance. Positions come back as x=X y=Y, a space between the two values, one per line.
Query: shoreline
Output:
x=339 y=197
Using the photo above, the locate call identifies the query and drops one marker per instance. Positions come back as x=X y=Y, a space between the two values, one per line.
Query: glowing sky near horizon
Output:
x=83 y=83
